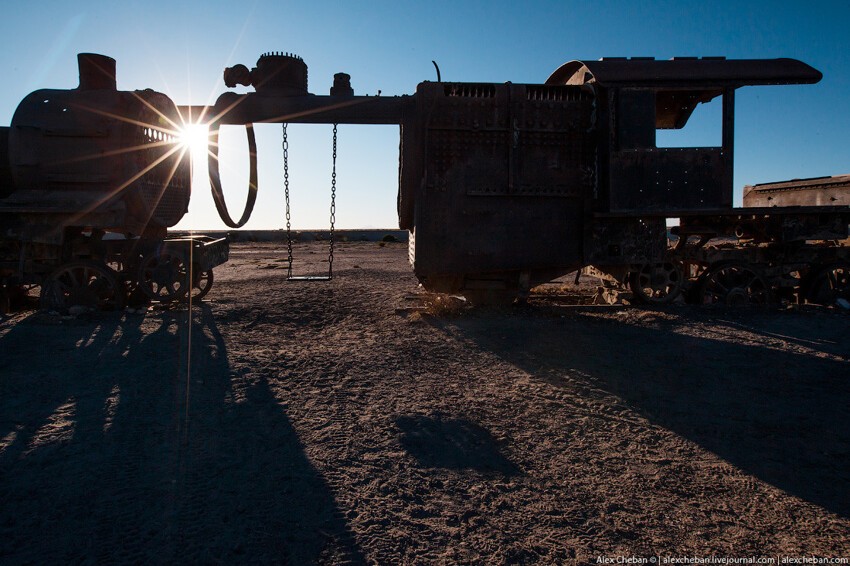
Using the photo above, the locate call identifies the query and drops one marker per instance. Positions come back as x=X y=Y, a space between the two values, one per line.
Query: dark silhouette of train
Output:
x=502 y=186
x=512 y=185
x=90 y=180
x=506 y=186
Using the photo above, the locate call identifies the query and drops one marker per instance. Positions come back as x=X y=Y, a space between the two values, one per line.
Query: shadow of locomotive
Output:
x=438 y=442
x=779 y=413
x=123 y=446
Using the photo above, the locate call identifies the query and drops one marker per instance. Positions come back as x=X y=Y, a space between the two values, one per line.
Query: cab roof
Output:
x=683 y=82
x=684 y=72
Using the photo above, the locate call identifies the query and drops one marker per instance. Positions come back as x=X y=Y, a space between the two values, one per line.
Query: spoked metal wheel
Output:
x=733 y=284
x=126 y=276
x=202 y=284
x=829 y=283
x=82 y=283
x=164 y=276
x=657 y=283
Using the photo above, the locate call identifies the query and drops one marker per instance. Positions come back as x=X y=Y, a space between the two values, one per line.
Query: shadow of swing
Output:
x=457 y=444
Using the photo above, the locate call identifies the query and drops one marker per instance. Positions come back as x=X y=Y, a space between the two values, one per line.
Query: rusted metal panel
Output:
x=818 y=191
x=625 y=241
x=777 y=224
x=508 y=139
x=108 y=154
x=507 y=172
x=670 y=179
x=634 y=119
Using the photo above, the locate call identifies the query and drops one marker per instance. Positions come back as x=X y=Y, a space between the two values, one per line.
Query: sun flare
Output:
x=195 y=137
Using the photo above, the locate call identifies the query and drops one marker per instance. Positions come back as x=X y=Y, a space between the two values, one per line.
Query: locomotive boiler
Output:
x=90 y=180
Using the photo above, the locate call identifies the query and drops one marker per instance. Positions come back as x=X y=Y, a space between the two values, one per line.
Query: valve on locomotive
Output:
x=281 y=74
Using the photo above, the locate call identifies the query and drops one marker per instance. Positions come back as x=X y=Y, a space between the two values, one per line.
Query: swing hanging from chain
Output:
x=289 y=276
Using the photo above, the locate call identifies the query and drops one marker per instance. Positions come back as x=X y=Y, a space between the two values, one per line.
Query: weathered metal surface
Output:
x=100 y=152
x=668 y=180
x=780 y=225
x=506 y=172
x=625 y=241
x=90 y=180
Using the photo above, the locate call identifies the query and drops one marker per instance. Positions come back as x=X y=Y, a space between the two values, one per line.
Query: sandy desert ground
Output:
x=335 y=422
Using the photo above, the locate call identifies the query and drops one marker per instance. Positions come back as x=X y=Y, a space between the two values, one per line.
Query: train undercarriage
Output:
x=743 y=256
x=96 y=271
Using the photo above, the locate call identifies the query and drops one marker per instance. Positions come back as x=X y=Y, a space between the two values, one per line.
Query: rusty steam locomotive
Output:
x=90 y=180
x=501 y=186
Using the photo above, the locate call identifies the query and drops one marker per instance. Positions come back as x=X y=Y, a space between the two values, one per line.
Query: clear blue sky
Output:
x=181 y=47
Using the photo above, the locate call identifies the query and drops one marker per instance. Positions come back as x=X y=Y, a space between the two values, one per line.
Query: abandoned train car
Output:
x=505 y=186
x=90 y=180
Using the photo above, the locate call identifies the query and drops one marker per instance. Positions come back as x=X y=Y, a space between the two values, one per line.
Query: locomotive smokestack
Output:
x=97 y=72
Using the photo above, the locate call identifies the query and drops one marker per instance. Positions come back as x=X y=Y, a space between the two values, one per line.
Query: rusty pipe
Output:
x=252 y=108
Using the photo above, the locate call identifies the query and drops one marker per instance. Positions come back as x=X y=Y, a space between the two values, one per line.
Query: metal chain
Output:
x=333 y=209
x=285 y=147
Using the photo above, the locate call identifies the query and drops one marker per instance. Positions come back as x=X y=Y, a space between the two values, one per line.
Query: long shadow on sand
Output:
x=782 y=416
x=119 y=446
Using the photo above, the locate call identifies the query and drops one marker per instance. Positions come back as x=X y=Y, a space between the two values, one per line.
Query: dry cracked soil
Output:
x=361 y=421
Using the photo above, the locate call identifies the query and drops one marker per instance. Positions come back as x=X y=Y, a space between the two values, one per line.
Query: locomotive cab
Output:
x=639 y=96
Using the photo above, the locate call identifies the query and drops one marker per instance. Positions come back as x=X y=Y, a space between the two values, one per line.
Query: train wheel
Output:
x=202 y=285
x=733 y=284
x=164 y=276
x=829 y=284
x=658 y=283
x=86 y=284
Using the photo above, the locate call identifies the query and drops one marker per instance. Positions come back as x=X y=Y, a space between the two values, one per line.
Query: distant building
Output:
x=817 y=191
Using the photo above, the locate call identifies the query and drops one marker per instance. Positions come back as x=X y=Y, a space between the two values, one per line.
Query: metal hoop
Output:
x=215 y=179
